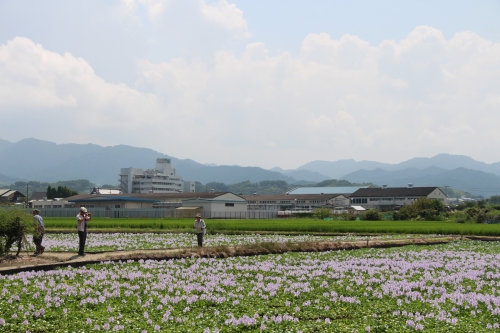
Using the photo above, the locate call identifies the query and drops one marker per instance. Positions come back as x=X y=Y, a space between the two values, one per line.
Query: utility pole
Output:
x=27 y=194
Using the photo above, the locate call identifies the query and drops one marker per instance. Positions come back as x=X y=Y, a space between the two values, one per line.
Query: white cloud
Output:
x=227 y=16
x=338 y=98
x=58 y=94
x=397 y=96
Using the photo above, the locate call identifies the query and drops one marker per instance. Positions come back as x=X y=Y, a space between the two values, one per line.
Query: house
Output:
x=161 y=179
x=389 y=198
x=12 y=196
x=222 y=205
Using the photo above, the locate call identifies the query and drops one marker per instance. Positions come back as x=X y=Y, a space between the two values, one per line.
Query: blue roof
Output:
x=326 y=190
x=113 y=198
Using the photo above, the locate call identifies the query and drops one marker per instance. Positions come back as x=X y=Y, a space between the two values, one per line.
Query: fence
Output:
x=110 y=213
x=154 y=213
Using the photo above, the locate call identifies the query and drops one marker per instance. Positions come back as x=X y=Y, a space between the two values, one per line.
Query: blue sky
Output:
x=257 y=83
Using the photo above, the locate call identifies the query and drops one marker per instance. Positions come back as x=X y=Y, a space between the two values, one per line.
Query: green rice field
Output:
x=279 y=226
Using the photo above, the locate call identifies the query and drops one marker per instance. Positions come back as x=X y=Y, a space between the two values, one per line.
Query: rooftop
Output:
x=326 y=190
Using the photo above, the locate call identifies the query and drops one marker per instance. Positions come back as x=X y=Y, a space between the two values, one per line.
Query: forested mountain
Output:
x=32 y=159
x=42 y=161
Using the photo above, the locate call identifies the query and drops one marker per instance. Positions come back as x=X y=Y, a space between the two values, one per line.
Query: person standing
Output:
x=200 y=229
x=39 y=232
x=82 y=219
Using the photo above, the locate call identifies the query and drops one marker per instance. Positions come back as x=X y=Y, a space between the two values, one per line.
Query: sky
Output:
x=255 y=83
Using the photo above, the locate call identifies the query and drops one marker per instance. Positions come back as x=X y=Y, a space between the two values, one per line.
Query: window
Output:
x=359 y=201
x=229 y=204
x=117 y=206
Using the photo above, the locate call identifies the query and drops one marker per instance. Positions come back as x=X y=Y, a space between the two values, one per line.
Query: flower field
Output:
x=135 y=241
x=442 y=288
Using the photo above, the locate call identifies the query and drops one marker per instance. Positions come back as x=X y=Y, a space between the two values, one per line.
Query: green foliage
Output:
x=60 y=192
x=267 y=186
x=298 y=225
x=493 y=215
x=322 y=213
x=15 y=224
x=77 y=186
x=495 y=199
x=460 y=216
x=371 y=215
x=423 y=208
x=340 y=183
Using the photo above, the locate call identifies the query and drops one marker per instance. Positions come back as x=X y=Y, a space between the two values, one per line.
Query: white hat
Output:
x=83 y=209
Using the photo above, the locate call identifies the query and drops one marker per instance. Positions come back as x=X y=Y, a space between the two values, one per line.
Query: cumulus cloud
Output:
x=226 y=15
x=402 y=97
x=61 y=96
x=338 y=98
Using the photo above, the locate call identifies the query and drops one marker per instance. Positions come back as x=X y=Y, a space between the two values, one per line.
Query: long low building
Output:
x=186 y=204
x=388 y=198
x=295 y=201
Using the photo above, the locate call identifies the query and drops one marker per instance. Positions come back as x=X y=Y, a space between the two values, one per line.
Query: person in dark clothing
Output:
x=200 y=229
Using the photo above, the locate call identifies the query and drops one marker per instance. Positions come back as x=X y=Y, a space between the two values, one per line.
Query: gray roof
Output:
x=38 y=195
x=326 y=190
x=105 y=198
x=291 y=197
x=8 y=193
x=152 y=196
x=394 y=192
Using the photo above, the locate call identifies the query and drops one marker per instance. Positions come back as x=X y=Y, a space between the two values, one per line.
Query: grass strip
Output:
x=279 y=226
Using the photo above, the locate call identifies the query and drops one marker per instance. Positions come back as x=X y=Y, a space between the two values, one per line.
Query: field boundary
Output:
x=225 y=251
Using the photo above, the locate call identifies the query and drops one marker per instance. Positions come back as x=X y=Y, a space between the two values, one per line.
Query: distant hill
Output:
x=311 y=176
x=37 y=160
x=33 y=159
x=340 y=168
x=6 y=180
x=472 y=181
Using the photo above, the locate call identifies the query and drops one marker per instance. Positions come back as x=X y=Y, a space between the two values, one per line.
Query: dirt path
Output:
x=27 y=259
x=49 y=260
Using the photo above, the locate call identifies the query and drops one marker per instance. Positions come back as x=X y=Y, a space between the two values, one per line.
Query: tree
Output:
x=495 y=199
x=15 y=225
x=423 y=208
x=60 y=192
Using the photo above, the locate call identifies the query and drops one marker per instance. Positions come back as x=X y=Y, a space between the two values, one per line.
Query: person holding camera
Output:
x=39 y=232
x=82 y=219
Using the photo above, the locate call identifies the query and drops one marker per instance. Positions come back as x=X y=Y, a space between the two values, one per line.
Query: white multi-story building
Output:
x=161 y=179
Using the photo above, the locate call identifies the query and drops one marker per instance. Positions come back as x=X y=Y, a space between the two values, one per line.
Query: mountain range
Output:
x=33 y=159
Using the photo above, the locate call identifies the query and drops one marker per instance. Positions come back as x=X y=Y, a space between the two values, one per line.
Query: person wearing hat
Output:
x=200 y=229
x=82 y=219
x=39 y=232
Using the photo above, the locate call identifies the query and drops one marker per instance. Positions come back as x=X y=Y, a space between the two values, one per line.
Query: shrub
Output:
x=322 y=213
x=15 y=224
x=371 y=215
x=459 y=216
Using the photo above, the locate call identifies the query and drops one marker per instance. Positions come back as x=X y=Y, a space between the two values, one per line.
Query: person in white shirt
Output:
x=200 y=229
x=39 y=232
x=81 y=225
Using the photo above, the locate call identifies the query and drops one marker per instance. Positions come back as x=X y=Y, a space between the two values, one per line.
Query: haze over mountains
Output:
x=32 y=159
